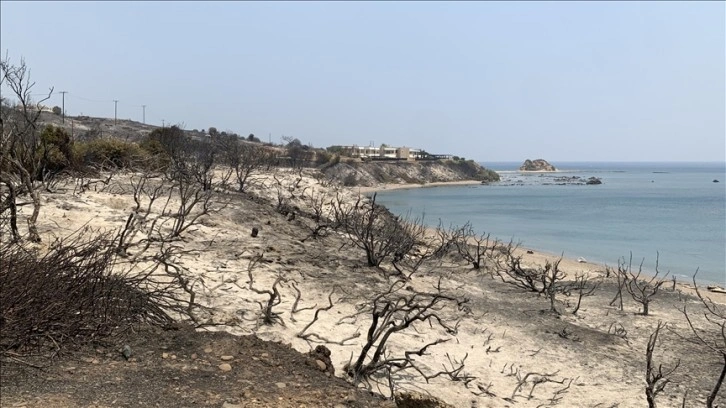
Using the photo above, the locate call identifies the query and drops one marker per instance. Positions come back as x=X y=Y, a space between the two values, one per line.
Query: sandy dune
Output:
x=504 y=334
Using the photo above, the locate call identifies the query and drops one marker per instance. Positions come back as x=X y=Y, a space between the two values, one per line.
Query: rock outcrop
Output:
x=593 y=180
x=352 y=173
x=537 y=165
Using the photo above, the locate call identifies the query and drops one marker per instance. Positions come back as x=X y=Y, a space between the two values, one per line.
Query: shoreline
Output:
x=539 y=257
x=367 y=190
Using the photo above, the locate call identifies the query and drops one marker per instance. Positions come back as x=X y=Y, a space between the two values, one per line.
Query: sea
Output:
x=672 y=213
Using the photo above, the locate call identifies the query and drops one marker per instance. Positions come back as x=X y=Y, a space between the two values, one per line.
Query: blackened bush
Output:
x=69 y=295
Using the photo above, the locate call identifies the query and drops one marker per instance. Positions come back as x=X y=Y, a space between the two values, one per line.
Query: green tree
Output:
x=56 y=150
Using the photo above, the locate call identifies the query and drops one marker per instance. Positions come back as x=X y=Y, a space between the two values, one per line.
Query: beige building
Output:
x=382 y=152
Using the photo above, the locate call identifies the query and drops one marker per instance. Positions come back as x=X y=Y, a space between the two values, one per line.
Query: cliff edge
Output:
x=368 y=174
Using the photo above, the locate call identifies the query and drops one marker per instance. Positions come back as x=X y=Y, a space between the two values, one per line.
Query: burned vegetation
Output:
x=391 y=303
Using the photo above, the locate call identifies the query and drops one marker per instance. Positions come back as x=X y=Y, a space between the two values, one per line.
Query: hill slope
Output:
x=369 y=174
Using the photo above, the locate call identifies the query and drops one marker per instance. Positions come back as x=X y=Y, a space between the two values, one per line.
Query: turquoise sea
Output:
x=675 y=210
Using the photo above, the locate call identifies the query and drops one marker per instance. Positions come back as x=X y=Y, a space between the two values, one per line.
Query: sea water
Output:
x=671 y=211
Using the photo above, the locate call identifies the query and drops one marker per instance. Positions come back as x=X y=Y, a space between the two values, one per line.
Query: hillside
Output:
x=368 y=174
x=347 y=172
x=511 y=351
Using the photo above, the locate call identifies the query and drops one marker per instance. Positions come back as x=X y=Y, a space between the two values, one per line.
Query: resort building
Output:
x=382 y=152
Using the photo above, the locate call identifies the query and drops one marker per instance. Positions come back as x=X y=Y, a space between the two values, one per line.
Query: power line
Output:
x=87 y=99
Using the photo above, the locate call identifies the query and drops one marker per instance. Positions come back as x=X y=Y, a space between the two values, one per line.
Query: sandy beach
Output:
x=389 y=187
x=513 y=350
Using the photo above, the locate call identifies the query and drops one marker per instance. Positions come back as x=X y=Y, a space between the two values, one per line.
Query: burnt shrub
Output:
x=68 y=295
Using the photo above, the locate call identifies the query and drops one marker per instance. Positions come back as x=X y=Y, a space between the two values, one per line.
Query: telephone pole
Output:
x=64 y=105
x=144 y=120
x=115 y=105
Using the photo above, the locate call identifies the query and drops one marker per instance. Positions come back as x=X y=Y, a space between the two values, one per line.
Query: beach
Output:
x=389 y=186
x=512 y=350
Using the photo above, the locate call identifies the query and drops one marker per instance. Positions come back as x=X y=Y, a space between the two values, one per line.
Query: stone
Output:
x=126 y=352
x=281 y=385
x=593 y=180
x=225 y=367
x=255 y=231
x=321 y=365
x=321 y=354
x=208 y=350
x=351 y=397
x=165 y=355
x=227 y=358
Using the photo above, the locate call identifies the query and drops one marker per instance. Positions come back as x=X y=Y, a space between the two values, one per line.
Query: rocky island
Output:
x=536 y=165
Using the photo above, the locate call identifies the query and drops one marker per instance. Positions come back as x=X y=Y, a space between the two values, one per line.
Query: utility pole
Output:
x=115 y=105
x=162 y=123
x=64 y=105
x=144 y=107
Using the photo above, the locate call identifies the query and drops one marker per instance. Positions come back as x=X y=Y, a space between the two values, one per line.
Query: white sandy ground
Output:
x=607 y=371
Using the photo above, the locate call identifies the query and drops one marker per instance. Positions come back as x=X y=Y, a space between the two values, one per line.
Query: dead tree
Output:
x=621 y=283
x=375 y=230
x=393 y=312
x=21 y=165
x=317 y=204
x=183 y=279
x=307 y=336
x=510 y=270
x=713 y=337
x=245 y=159
x=583 y=288
x=268 y=315
x=145 y=193
x=655 y=378
x=191 y=197
x=475 y=249
x=551 y=277
x=427 y=247
x=535 y=378
x=642 y=290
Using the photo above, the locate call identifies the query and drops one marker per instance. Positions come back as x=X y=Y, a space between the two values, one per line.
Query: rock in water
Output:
x=593 y=180
x=537 y=165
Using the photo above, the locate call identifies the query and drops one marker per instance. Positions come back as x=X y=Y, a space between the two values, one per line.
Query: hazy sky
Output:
x=600 y=81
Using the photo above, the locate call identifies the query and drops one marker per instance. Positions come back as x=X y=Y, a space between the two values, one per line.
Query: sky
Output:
x=489 y=81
